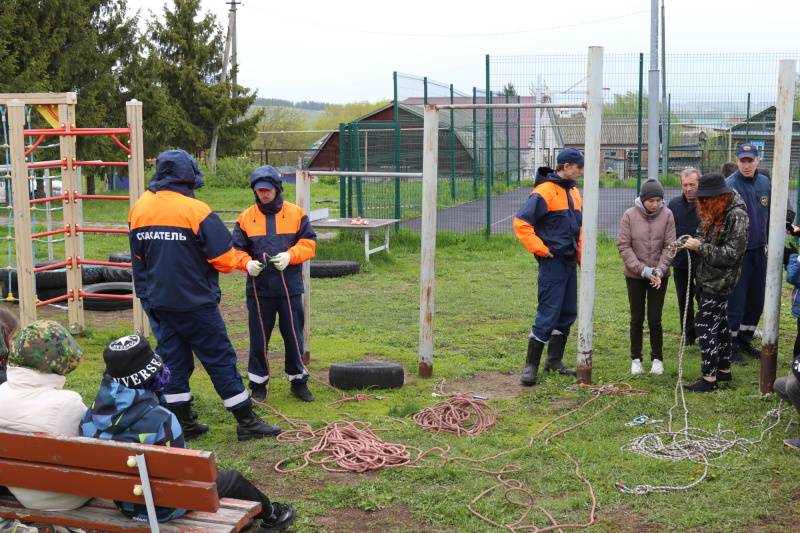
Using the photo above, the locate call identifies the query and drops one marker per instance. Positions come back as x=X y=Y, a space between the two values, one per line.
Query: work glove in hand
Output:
x=281 y=260
x=254 y=268
x=788 y=250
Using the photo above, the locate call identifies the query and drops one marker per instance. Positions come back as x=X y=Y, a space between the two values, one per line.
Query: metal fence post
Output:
x=777 y=219
x=430 y=162
x=591 y=190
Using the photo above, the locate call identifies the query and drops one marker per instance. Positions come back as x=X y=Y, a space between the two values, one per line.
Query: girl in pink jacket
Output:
x=645 y=233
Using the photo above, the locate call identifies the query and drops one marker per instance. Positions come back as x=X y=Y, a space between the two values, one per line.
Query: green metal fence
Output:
x=710 y=103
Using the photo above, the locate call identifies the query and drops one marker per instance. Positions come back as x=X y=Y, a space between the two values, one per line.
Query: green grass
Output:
x=485 y=296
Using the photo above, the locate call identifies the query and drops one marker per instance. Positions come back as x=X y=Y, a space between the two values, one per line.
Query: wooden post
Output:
x=72 y=220
x=303 y=198
x=136 y=188
x=22 y=213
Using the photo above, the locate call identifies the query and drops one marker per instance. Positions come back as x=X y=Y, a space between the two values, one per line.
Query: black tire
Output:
x=47 y=279
x=43 y=294
x=120 y=257
x=361 y=375
x=108 y=304
x=56 y=278
x=334 y=269
x=117 y=273
x=91 y=274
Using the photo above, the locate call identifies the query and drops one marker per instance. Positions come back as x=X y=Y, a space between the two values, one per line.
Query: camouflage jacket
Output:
x=720 y=257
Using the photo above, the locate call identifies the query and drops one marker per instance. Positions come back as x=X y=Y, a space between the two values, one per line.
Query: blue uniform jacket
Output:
x=179 y=246
x=551 y=219
x=259 y=232
x=757 y=195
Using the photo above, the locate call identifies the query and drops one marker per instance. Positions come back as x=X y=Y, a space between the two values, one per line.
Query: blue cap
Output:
x=570 y=155
x=747 y=150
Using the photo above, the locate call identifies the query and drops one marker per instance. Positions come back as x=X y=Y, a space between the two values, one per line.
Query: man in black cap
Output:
x=126 y=409
x=549 y=225
x=746 y=302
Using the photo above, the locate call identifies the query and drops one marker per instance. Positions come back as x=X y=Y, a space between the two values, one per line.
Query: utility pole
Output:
x=653 y=96
x=230 y=42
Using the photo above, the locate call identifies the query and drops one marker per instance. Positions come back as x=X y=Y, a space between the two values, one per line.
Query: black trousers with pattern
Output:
x=713 y=335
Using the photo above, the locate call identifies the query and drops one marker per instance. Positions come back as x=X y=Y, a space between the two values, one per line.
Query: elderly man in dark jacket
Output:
x=684 y=209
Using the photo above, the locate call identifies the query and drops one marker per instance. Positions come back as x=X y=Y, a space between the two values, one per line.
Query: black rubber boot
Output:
x=191 y=428
x=300 y=391
x=252 y=427
x=555 y=354
x=531 y=370
x=259 y=393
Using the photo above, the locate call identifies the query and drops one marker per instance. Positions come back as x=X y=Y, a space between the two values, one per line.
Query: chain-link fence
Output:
x=710 y=103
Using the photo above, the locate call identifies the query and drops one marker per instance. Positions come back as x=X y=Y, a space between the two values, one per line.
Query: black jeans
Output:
x=713 y=334
x=232 y=484
x=683 y=280
x=642 y=295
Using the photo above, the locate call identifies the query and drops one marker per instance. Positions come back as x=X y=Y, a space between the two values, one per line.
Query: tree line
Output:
x=96 y=49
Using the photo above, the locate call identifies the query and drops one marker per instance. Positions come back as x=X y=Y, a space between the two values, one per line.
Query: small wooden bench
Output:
x=110 y=470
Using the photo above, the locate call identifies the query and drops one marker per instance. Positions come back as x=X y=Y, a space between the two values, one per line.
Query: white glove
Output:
x=281 y=260
x=254 y=268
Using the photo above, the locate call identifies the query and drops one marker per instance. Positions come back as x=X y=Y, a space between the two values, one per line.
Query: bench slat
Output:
x=201 y=496
x=102 y=515
x=112 y=456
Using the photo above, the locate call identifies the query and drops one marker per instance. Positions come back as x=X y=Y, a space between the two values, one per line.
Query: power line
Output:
x=393 y=34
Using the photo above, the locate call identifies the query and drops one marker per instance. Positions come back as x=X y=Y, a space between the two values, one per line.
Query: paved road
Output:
x=471 y=216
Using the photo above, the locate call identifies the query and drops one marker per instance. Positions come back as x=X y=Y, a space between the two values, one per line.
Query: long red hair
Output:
x=711 y=210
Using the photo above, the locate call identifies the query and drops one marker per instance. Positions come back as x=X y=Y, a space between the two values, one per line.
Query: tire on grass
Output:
x=366 y=375
x=120 y=257
x=334 y=269
x=117 y=273
x=43 y=294
x=108 y=304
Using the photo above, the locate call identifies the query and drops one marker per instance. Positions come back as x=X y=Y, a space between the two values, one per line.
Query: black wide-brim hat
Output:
x=711 y=184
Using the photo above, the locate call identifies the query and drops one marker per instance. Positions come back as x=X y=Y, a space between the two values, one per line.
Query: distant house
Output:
x=760 y=130
x=375 y=142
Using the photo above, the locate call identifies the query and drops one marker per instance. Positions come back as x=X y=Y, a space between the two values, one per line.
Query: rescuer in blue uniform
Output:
x=178 y=247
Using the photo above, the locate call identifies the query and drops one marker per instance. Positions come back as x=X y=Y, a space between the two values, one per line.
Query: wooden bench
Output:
x=110 y=470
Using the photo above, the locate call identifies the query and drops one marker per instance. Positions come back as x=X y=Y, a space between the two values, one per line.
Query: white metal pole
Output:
x=591 y=191
x=652 y=96
x=303 y=198
x=430 y=167
x=777 y=221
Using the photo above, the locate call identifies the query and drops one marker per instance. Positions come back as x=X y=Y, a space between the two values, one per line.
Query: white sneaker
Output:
x=15 y=526
x=636 y=366
x=658 y=367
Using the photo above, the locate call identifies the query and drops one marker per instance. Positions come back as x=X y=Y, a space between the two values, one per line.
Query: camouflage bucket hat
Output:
x=45 y=346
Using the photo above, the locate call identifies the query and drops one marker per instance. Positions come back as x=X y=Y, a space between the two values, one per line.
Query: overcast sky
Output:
x=346 y=51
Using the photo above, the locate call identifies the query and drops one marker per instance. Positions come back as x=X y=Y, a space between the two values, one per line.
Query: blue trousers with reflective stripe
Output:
x=746 y=302
x=199 y=332
x=558 y=298
x=290 y=324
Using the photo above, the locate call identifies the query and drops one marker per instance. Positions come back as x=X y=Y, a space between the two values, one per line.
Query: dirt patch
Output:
x=390 y=519
x=493 y=385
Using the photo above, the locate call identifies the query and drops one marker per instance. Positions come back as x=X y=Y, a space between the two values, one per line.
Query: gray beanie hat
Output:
x=650 y=189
